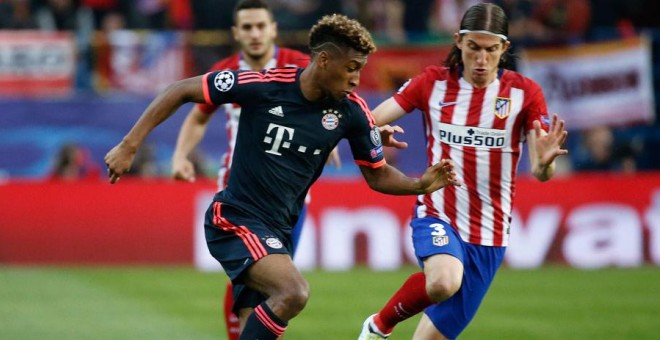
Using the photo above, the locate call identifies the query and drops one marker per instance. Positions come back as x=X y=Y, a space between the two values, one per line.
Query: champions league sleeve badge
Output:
x=224 y=81
x=375 y=136
x=330 y=119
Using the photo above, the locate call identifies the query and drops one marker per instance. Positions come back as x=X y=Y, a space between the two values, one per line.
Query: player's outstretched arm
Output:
x=191 y=133
x=120 y=158
x=389 y=180
x=388 y=112
x=384 y=114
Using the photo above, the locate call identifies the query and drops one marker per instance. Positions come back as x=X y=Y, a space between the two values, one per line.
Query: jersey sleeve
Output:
x=410 y=95
x=228 y=86
x=364 y=135
x=536 y=108
x=229 y=63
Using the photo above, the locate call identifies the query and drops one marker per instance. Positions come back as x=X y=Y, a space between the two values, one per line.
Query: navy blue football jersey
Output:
x=284 y=140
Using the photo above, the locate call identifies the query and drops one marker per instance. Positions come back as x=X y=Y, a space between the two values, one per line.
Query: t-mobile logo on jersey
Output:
x=281 y=133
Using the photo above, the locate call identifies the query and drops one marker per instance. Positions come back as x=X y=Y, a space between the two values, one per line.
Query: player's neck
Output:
x=308 y=84
x=259 y=63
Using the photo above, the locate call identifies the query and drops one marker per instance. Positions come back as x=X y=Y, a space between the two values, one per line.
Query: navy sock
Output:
x=262 y=324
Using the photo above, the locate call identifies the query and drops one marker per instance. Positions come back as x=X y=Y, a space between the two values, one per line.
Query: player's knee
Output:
x=443 y=288
x=297 y=301
x=295 y=297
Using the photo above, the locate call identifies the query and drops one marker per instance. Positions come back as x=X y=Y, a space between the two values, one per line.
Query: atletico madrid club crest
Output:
x=330 y=119
x=502 y=107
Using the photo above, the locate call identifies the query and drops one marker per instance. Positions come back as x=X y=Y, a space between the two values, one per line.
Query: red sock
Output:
x=409 y=300
x=231 y=320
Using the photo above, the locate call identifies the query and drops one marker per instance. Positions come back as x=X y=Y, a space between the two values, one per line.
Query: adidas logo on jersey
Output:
x=277 y=111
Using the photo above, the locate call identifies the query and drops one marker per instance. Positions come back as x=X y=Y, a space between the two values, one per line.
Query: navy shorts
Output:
x=237 y=240
x=480 y=263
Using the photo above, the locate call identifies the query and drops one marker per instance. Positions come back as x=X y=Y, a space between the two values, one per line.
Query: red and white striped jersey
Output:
x=482 y=131
x=283 y=57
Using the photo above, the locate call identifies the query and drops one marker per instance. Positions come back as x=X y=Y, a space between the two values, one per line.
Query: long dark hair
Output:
x=483 y=17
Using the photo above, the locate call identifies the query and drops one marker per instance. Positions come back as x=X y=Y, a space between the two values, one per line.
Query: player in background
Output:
x=478 y=114
x=291 y=120
x=255 y=31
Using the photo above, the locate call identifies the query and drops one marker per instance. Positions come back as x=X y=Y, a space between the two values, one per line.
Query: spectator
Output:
x=448 y=14
x=647 y=16
x=612 y=19
x=627 y=158
x=547 y=22
x=180 y=14
x=67 y=15
x=64 y=15
x=151 y=14
x=397 y=20
x=416 y=19
x=383 y=17
x=523 y=30
x=145 y=164
x=212 y=15
x=16 y=14
x=599 y=152
x=99 y=9
x=302 y=14
x=565 y=21
x=73 y=163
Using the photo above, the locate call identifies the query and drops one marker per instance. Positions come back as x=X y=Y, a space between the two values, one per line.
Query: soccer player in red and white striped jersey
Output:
x=478 y=114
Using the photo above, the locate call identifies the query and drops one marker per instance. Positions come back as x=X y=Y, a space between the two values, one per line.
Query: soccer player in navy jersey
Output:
x=291 y=120
x=477 y=114
x=255 y=31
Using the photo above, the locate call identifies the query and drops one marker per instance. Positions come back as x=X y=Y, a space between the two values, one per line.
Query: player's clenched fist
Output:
x=119 y=160
x=183 y=169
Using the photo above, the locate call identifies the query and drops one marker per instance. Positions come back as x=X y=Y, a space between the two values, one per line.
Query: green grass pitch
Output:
x=181 y=303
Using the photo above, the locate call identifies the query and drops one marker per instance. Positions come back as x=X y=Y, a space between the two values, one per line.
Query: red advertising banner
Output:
x=36 y=63
x=586 y=221
x=90 y=222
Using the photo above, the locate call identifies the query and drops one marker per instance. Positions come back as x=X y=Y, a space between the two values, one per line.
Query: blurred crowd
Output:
x=532 y=23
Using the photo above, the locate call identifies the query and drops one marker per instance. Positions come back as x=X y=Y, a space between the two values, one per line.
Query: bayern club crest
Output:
x=224 y=81
x=330 y=119
x=274 y=243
